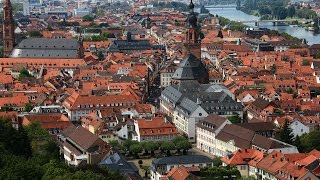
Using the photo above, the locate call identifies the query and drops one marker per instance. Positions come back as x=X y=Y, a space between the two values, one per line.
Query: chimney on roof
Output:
x=129 y=36
x=246 y=150
x=198 y=101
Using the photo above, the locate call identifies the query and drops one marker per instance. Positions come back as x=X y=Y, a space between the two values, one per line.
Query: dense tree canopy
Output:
x=176 y=5
x=35 y=34
x=29 y=153
x=88 y=18
x=309 y=141
x=220 y=172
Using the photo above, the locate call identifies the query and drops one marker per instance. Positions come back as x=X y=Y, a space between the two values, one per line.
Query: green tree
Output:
x=220 y=35
x=15 y=142
x=220 y=172
x=104 y=25
x=167 y=146
x=6 y=108
x=17 y=161
x=291 y=11
x=273 y=69
x=235 y=119
x=217 y=161
x=1 y=53
x=151 y=146
x=305 y=62
x=87 y=18
x=286 y=133
x=280 y=12
x=100 y=56
x=178 y=139
x=28 y=107
x=24 y=73
x=310 y=141
x=35 y=34
x=127 y=143
x=115 y=144
x=135 y=149
x=297 y=143
x=290 y=91
x=185 y=145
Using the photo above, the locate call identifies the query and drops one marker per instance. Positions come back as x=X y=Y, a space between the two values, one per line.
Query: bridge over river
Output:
x=257 y=22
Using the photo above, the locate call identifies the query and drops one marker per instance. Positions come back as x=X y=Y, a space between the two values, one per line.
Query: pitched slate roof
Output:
x=46 y=48
x=123 y=45
x=116 y=162
x=211 y=97
x=189 y=69
x=186 y=159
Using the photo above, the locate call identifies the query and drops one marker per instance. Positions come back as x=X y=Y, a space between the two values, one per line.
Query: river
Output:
x=236 y=15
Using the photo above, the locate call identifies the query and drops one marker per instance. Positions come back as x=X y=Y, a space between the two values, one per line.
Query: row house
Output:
x=101 y=123
x=217 y=136
x=261 y=108
x=16 y=102
x=54 y=123
x=78 y=106
x=160 y=167
x=155 y=129
x=166 y=74
x=276 y=165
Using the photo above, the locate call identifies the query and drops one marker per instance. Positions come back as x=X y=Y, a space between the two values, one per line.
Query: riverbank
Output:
x=300 y=22
x=238 y=16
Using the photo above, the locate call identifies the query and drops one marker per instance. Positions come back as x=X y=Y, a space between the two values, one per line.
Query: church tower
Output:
x=192 y=35
x=8 y=29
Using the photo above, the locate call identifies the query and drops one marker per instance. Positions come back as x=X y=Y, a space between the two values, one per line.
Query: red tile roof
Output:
x=48 y=121
x=156 y=126
x=76 y=101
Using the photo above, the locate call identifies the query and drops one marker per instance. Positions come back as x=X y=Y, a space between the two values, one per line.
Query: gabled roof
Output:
x=260 y=103
x=82 y=137
x=46 y=48
x=272 y=162
x=243 y=157
x=211 y=122
x=156 y=126
x=48 y=121
x=259 y=126
x=181 y=173
x=242 y=137
x=180 y=160
x=116 y=162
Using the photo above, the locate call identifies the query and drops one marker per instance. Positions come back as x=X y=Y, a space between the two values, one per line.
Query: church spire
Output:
x=192 y=34
x=8 y=29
